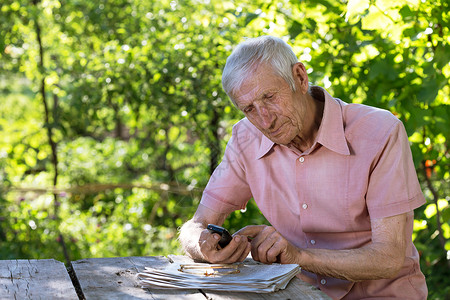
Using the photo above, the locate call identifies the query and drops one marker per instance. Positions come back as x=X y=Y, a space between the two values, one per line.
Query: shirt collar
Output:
x=265 y=146
x=331 y=131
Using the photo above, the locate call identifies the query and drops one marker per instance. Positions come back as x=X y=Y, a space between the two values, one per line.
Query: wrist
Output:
x=299 y=256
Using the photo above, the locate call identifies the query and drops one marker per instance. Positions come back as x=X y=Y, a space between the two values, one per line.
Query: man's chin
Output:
x=279 y=140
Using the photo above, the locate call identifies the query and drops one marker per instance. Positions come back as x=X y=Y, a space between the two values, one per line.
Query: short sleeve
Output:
x=227 y=189
x=393 y=185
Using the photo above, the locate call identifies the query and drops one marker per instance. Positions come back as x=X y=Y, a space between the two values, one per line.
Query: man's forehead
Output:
x=257 y=85
x=250 y=90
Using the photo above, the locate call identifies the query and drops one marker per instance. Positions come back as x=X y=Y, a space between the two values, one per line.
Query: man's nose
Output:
x=265 y=117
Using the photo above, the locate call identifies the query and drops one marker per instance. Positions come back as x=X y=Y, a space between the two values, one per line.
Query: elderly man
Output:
x=335 y=180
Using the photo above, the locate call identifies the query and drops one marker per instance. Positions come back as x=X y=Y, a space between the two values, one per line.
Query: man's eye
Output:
x=248 y=109
x=270 y=96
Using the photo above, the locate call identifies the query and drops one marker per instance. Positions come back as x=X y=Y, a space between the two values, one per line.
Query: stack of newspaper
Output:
x=256 y=278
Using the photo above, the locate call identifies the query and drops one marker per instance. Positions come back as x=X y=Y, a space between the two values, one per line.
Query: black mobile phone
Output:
x=226 y=236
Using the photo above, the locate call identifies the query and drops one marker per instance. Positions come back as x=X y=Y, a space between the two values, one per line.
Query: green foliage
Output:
x=139 y=119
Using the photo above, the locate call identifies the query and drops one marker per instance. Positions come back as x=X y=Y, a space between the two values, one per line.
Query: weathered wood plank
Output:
x=296 y=289
x=35 y=279
x=115 y=278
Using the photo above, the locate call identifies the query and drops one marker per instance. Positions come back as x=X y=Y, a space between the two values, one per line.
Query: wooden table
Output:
x=113 y=278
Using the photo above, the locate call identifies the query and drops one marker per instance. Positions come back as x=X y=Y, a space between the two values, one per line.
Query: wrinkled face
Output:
x=269 y=103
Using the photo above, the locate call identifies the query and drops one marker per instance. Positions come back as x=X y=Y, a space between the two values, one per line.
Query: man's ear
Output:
x=300 y=77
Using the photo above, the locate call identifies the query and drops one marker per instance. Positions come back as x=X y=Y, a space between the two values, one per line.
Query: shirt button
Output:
x=323 y=281
x=301 y=159
x=305 y=206
x=313 y=242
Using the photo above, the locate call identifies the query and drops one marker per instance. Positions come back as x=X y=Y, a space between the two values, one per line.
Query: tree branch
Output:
x=433 y=191
x=51 y=141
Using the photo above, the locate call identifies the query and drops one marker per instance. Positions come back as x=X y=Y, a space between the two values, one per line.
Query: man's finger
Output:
x=245 y=253
x=231 y=253
x=250 y=231
x=242 y=247
x=211 y=239
x=264 y=246
x=274 y=252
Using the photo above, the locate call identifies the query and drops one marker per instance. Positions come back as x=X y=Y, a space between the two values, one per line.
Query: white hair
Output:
x=253 y=52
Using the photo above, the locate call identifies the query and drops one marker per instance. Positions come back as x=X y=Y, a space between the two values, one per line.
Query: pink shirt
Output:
x=360 y=167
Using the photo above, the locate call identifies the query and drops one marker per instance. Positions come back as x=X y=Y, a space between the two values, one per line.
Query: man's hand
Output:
x=201 y=245
x=269 y=246
x=236 y=250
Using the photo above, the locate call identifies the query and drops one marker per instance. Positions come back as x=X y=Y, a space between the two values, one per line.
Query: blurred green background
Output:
x=112 y=114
